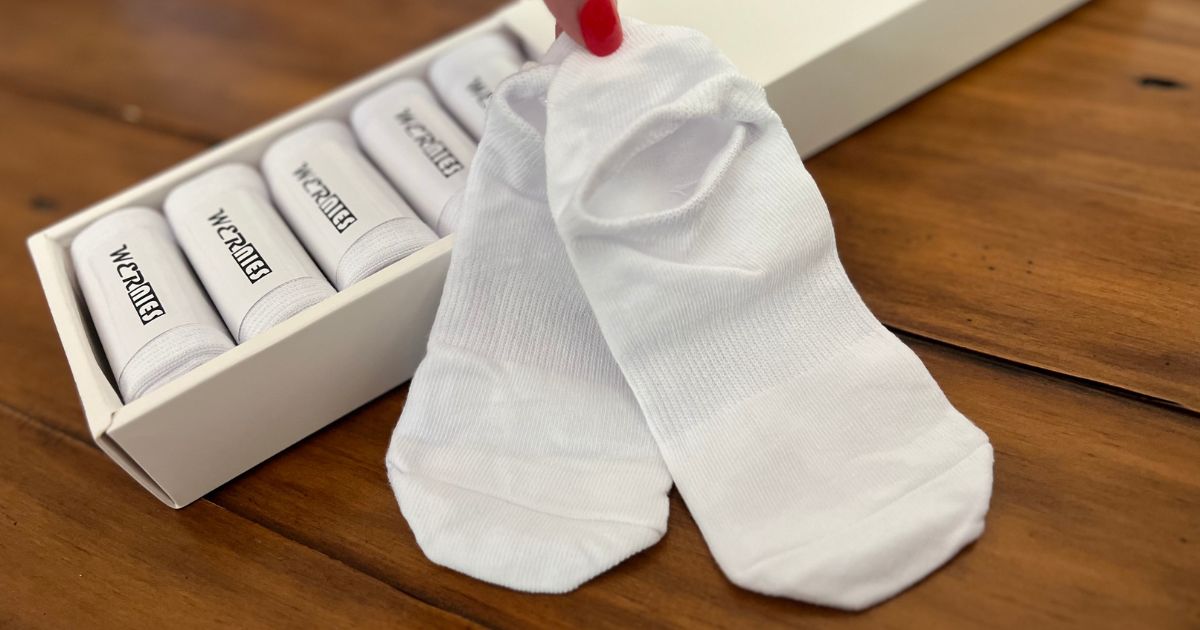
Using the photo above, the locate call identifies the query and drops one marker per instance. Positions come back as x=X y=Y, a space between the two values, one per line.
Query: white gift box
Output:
x=829 y=68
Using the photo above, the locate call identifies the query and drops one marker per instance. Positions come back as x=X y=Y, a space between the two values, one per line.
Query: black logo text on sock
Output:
x=480 y=91
x=331 y=205
x=244 y=253
x=438 y=154
x=145 y=301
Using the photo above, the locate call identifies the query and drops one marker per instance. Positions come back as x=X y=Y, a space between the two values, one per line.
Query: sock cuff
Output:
x=169 y=356
x=281 y=303
x=381 y=246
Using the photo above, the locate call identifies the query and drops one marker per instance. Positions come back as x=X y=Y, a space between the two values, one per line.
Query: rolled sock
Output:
x=417 y=145
x=345 y=213
x=521 y=457
x=253 y=268
x=465 y=76
x=153 y=320
x=819 y=458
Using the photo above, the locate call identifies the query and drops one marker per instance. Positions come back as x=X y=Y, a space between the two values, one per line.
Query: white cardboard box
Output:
x=829 y=69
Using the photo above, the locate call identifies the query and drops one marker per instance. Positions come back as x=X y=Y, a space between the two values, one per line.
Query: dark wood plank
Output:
x=67 y=160
x=212 y=68
x=1093 y=523
x=1044 y=207
x=82 y=547
x=1041 y=207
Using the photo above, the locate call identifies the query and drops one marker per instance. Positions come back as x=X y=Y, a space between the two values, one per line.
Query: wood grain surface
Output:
x=1031 y=228
x=81 y=545
x=1044 y=207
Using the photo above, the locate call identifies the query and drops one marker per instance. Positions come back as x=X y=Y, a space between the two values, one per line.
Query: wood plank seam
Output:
x=1080 y=381
x=375 y=575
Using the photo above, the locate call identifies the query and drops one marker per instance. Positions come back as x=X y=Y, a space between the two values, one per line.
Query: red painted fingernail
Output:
x=600 y=26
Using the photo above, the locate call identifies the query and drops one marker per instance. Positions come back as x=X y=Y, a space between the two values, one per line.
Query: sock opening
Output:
x=531 y=109
x=523 y=98
x=647 y=177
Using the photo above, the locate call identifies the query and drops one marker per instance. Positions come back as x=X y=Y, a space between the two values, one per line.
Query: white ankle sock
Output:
x=818 y=456
x=521 y=457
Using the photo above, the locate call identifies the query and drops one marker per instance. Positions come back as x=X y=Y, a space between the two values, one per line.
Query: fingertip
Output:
x=600 y=27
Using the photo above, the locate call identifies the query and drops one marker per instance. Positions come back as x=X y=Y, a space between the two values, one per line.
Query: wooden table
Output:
x=1031 y=229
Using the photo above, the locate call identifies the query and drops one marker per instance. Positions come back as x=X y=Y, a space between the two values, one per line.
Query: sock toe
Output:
x=881 y=555
x=514 y=546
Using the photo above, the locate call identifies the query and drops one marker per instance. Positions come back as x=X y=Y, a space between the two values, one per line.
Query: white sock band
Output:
x=169 y=356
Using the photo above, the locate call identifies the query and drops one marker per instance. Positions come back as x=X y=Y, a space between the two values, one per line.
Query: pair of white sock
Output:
x=645 y=287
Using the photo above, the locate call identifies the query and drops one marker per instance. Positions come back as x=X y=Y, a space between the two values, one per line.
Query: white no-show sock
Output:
x=521 y=458
x=819 y=458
